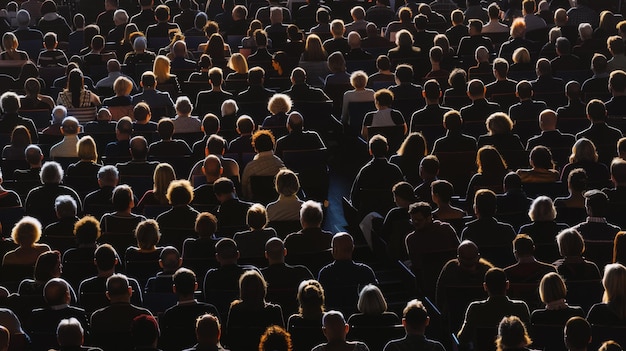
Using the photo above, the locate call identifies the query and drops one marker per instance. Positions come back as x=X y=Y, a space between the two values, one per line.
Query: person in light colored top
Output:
x=184 y=121
x=494 y=25
x=67 y=147
x=360 y=93
x=287 y=206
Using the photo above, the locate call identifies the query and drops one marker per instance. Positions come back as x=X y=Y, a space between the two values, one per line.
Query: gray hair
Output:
x=70 y=332
x=58 y=114
x=311 y=212
x=65 y=206
x=108 y=175
x=51 y=173
x=120 y=16
x=140 y=43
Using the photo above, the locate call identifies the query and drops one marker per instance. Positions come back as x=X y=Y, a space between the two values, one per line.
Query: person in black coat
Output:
x=600 y=133
x=44 y=321
x=221 y=285
x=468 y=44
x=178 y=322
x=480 y=108
x=298 y=139
x=486 y=230
x=454 y=140
x=301 y=91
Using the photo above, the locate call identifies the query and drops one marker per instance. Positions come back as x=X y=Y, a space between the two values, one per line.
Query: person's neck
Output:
x=106 y=274
x=273 y=262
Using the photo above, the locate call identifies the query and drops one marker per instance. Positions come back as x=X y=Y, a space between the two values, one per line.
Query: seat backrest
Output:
x=394 y=135
x=584 y=293
x=263 y=189
x=376 y=337
x=83 y=114
x=303 y=160
x=41 y=117
x=357 y=112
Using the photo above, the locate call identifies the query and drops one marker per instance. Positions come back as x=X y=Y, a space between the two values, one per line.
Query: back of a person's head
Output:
x=415 y=315
x=117 y=286
x=378 y=146
x=185 y=281
x=226 y=248
x=105 y=257
x=485 y=202
x=263 y=140
x=275 y=338
x=70 y=333
x=496 y=281
x=208 y=329
x=523 y=245
x=596 y=110
x=577 y=333
x=617 y=81
x=144 y=330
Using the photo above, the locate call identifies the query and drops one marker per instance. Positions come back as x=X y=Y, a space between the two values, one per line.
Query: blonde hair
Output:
x=542 y=210
x=583 y=150
x=161 y=69
x=27 y=231
x=512 y=333
x=122 y=86
x=279 y=103
x=552 y=288
x=86 y=149
x=9 y=38
x=238 y=63
x=499 y=123
x=614 y=282
x=521 y=55
x=164 y=174
x=358 y=79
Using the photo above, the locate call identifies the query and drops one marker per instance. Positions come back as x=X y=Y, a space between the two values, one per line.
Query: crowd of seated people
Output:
x=165 y=171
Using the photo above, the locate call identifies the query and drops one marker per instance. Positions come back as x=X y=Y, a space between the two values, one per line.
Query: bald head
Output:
x=56 y=292
x=212 y=168
x=342 y=246
x=547 y=120
x=295 y=122
x=275 y=251
x=70 y=126
x=560 y=17
x=468 y=253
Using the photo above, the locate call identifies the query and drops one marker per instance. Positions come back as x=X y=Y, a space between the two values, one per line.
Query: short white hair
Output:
x=585 y=31
x=229 y=107
x=120 y=16
x=59 y=113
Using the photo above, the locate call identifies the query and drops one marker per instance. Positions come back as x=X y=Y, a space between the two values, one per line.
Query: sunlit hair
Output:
x=489 y=160
x=583 y=151
x=161 y=69
x=542 y=210
x=552 y=288
x=163 y=175
x=614 y=282
x=238 y=63
x=371 y=301
x=512 y=333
